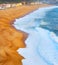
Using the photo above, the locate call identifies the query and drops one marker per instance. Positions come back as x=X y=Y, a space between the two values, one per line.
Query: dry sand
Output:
x=10 y=38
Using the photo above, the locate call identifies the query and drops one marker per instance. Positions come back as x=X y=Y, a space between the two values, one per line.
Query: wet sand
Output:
x=10 y=38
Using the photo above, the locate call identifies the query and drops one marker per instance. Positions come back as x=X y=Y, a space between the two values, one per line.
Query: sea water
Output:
x=42 y=42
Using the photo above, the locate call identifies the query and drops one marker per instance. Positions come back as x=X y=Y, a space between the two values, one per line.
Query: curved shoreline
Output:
x=11 y=35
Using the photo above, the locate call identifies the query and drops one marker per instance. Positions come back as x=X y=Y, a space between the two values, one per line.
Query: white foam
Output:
x=40 y=48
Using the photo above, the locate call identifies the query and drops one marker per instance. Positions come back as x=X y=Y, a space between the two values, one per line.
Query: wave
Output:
x=41 y=46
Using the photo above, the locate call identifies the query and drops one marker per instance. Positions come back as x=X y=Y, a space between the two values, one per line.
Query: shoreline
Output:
x=14 y=38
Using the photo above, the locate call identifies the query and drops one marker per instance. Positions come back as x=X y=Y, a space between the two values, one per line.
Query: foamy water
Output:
x=41 y=44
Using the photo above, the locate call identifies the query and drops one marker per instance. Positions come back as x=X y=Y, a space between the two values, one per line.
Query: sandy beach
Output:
x=10 y=38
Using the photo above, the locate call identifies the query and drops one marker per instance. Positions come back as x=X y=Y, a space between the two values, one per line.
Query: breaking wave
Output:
x=42 y=42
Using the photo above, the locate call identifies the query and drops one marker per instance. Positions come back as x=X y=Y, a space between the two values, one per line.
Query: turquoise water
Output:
x=42 y=42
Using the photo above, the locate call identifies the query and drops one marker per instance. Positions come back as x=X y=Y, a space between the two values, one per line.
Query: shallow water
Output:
x=41 y=44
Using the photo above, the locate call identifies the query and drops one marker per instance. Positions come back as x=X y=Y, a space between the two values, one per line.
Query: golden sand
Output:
x=10 y=38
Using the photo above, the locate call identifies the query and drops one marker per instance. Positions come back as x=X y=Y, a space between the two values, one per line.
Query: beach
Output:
x=12 y=39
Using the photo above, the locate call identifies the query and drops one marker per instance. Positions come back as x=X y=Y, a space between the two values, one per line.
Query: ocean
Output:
x=42 y=42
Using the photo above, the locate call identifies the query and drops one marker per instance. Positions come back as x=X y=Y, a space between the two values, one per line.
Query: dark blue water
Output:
x=51 y=18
